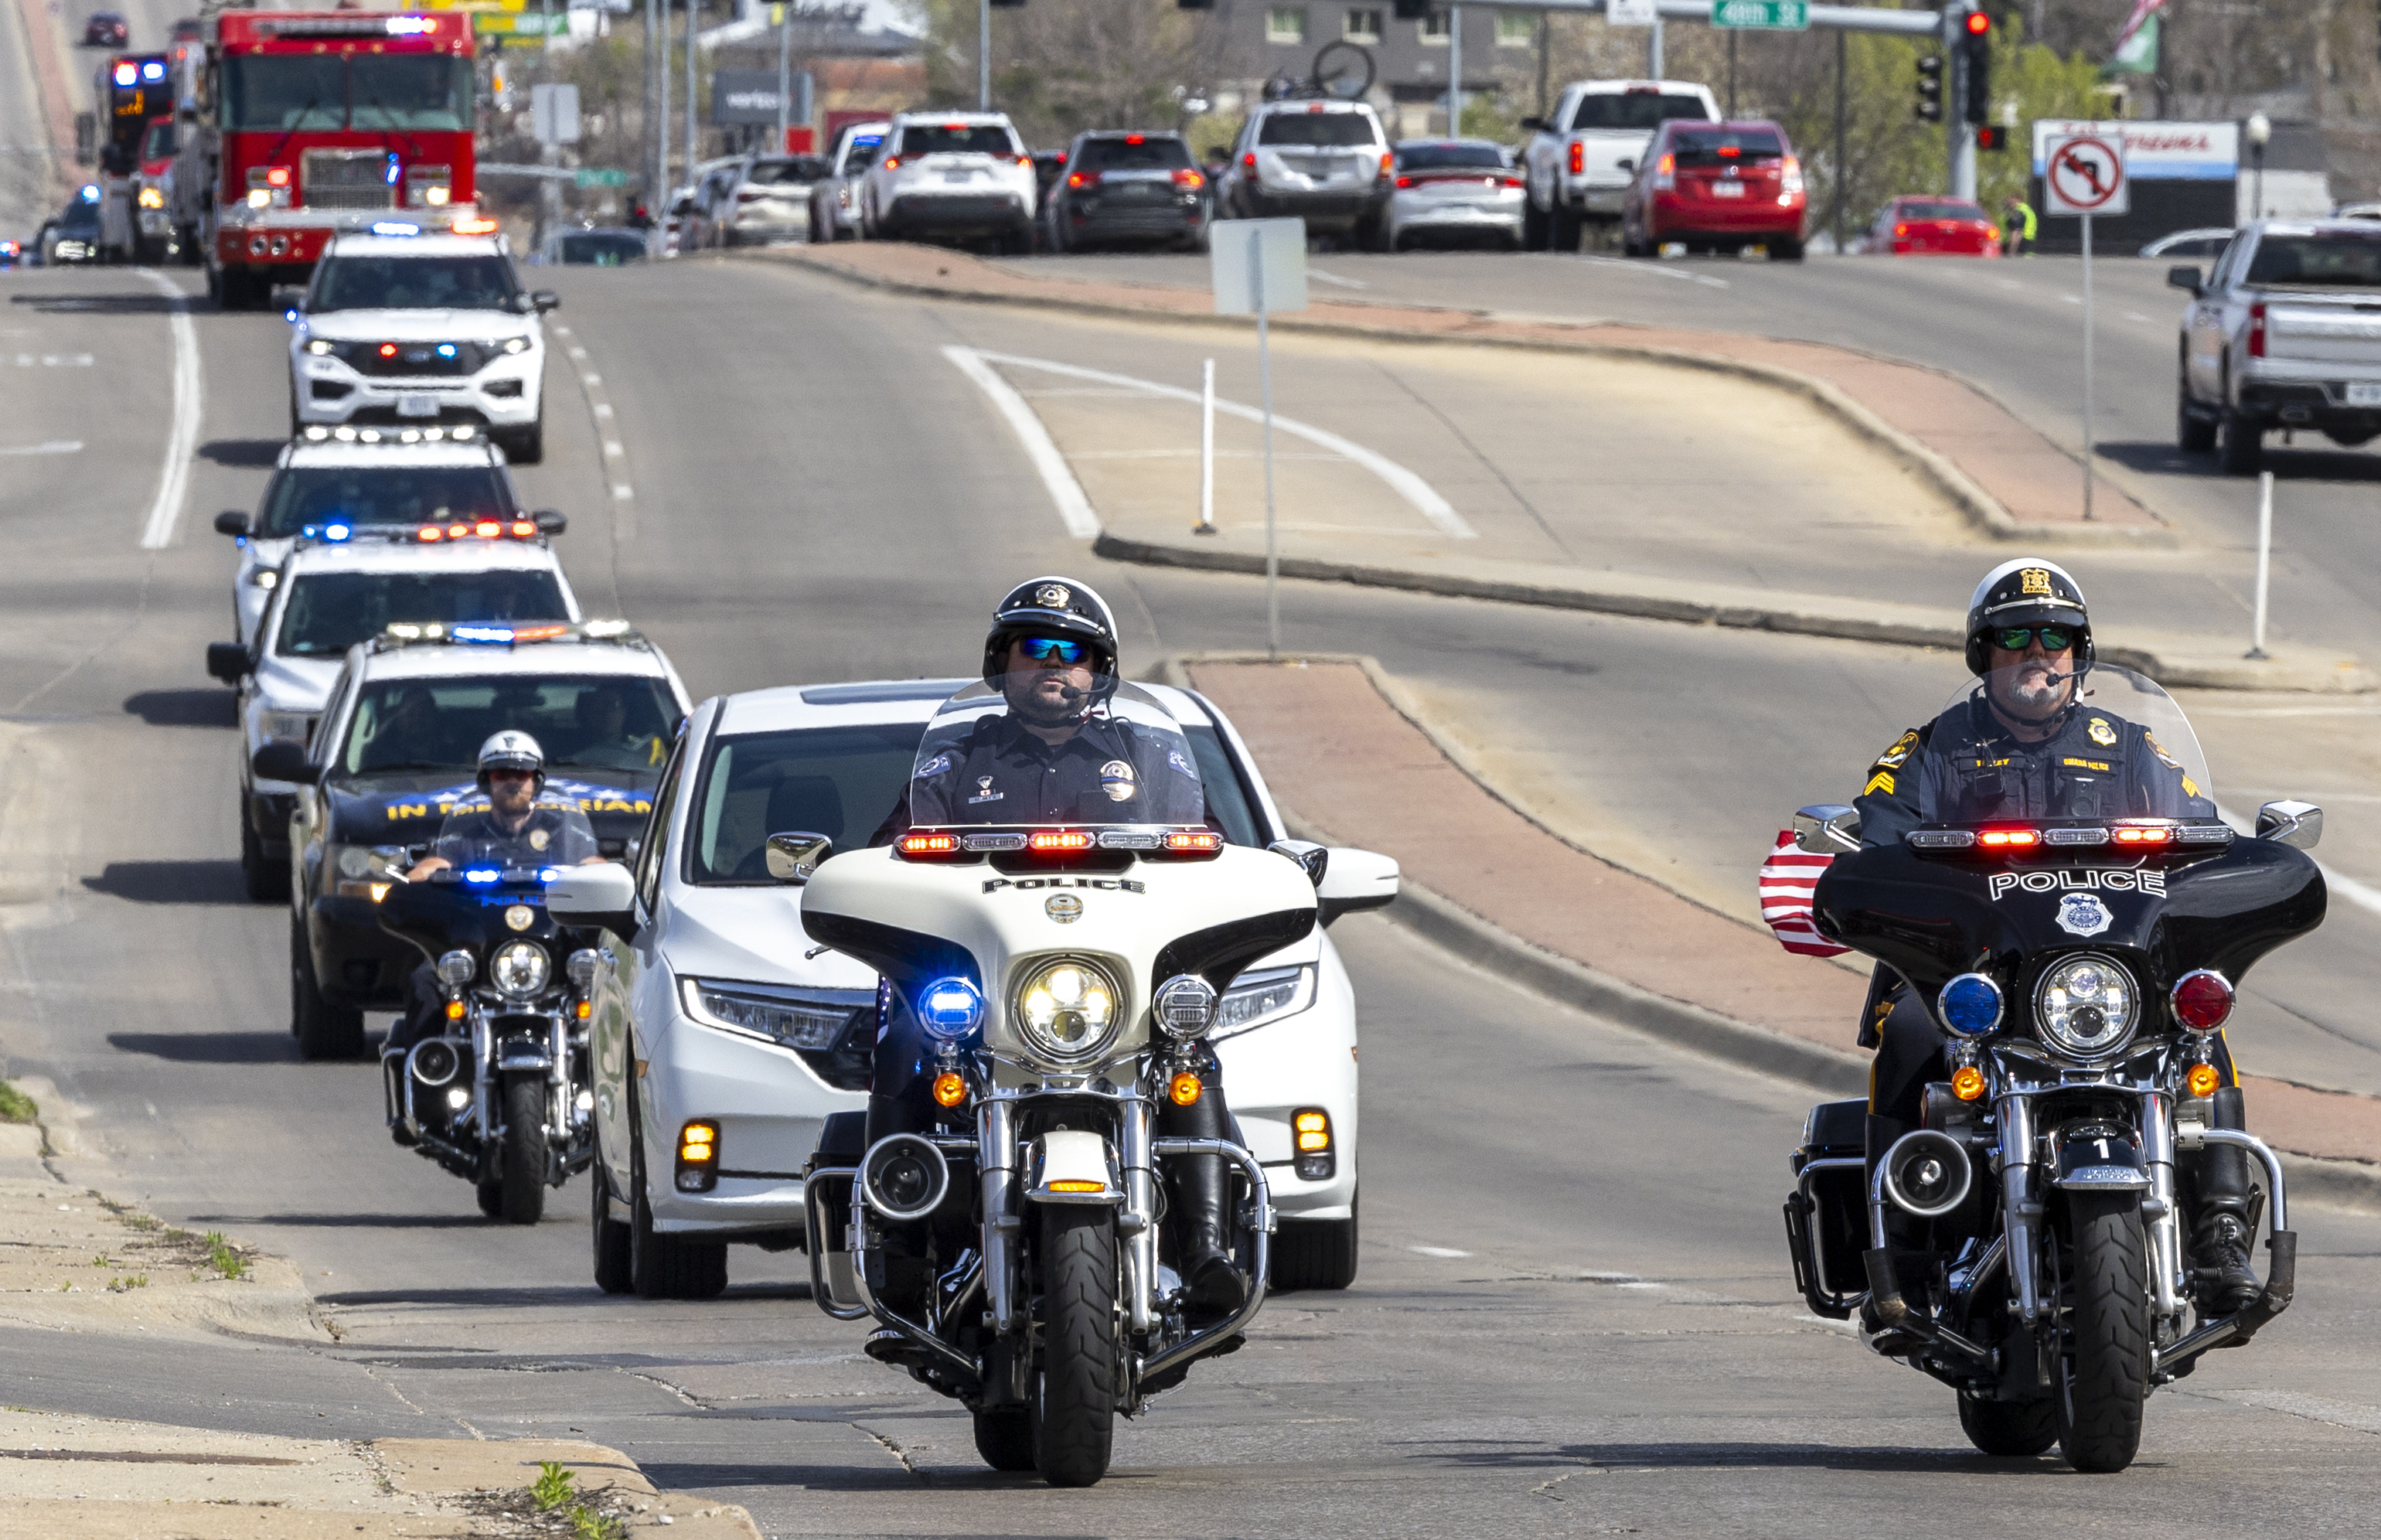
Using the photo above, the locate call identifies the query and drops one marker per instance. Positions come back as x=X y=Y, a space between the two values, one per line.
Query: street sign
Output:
x=1246 y=284
x=524 y=24
x=1631 y=12
x=554 y=109
x=592 y=175
x=2085 y=175
x=1777 y=16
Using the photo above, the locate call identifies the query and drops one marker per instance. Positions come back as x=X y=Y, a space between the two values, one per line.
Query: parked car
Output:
x=2286 y=333
x=593 y=246
x=1327 y=163
x=1917 y=226
x=676 y=215
x=959 y=176
x=1449 y=192
x=834 y=198
x=1581 y=162
x=107 y=30
x=2211 y=242
x=1122 y=189
x=72 y=234
x=715 y=1012
x=713 y=195
x=1715 y=187
x=771 y=203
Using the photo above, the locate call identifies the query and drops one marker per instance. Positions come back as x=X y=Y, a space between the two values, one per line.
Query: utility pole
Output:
x=1455 y=71
x=657 y=184
x=663 y=117
x=983 y=56
x=1653 y=49
x=692 y=127
x=785 y=72
x=1843 y=47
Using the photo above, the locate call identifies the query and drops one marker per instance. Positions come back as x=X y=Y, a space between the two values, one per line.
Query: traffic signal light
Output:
x=1992 y=135
x=1930 y=88
x=1976 y=74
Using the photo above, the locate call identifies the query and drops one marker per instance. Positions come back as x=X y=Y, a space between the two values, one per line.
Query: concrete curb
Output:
x=2341 y=677
x=1983 y=512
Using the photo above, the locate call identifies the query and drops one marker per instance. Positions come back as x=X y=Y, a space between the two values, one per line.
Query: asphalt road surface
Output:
x=1574 y=1314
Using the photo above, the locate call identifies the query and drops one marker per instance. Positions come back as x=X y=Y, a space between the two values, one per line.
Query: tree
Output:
x=1060 y=67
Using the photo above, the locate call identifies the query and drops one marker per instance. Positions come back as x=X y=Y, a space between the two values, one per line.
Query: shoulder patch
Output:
x=1894 y=757
x=1881 y=781
x=933 y=767
x=2159 y=748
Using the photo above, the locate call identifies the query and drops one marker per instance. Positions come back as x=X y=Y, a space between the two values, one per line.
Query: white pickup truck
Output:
x=1579 y=162
x=2285 y=333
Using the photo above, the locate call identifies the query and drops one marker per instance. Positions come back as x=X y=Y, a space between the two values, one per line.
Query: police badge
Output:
x=2083 y=915
x=2099 y=732
x=1117 y=780
x=1052 y=596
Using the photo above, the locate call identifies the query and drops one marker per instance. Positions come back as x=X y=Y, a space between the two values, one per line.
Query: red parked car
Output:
x=1715 y=187
x=1934 y=227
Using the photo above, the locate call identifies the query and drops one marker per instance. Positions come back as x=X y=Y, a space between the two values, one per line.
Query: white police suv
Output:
x=406 y=329
x=340 y=586
x=330 y=485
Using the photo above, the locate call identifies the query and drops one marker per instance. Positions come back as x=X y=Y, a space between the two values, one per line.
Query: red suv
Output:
x=1715 y=187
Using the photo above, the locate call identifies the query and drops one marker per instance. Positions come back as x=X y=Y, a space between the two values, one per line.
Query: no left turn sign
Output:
x=2084 y=174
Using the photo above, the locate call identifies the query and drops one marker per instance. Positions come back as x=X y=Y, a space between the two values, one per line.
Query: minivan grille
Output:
x=346 y=179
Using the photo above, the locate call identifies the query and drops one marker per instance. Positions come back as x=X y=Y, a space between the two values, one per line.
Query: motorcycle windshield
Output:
x=2030 y=744
x=1054 y=747
x=475 y=842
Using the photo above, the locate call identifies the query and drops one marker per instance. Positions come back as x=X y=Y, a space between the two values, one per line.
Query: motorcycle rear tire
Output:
x=322 y=1030
x=2104 y=1376
x=613 y=1274
x=523 y=1177
x=1004 y=1436
x=1073 y=1412
x=2012 y=1429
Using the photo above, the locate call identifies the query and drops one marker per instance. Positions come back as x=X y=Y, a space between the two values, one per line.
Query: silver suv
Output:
x=1325 y=162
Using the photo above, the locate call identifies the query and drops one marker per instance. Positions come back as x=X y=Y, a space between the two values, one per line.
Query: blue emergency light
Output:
x=153 y=71
x=482 y=873
x=393 y=228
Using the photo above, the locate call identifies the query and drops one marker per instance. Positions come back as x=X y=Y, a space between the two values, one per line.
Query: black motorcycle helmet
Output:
x=1052 y=606
x=2028 y=592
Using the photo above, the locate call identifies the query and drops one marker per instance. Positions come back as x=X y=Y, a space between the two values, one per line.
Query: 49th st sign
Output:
x=1778 y=16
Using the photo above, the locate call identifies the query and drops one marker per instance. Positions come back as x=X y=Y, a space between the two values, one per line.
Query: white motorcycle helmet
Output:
x=513 y=749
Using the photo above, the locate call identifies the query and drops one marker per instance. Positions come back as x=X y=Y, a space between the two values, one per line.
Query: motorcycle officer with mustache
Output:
x=2030 y=745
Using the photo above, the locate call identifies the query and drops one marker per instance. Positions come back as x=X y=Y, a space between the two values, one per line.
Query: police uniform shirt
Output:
x=1107 y=773
x=556 y=833
x=1965 y=768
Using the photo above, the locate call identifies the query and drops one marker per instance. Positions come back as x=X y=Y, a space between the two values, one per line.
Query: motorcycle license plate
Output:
x=2364 y=393
x=1728 y=189
x=417 y=405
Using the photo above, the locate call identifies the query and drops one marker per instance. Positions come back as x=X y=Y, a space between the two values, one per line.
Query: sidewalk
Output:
x=1501 y=889
x=1598 y=473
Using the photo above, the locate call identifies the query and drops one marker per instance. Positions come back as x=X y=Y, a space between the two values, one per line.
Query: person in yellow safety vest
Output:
x=2016 y=236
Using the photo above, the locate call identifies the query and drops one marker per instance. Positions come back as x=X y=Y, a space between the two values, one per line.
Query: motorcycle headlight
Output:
x=519 y=969
x=2087 y=1006
x=1067 y=1008
x=1185 y=1007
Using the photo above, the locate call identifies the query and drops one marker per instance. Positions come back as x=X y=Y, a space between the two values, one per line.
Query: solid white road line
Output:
x=1412 y=488
x=54 y=446
x=182 y=435
x=1074 y=508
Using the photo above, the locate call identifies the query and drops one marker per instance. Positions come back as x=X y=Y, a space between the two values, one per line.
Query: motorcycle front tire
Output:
x=2104 y=1376
x=1073 y=1411
x=523 y=1177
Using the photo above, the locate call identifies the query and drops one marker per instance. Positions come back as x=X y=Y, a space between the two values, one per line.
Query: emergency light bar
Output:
x=2147 y=834
x=1179 y=844
x=501 y=633
x=343 y=26
x=459 y=432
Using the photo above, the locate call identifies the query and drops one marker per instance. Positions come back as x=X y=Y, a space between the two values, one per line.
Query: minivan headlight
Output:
x=1264 y=995
x=1067 y=1008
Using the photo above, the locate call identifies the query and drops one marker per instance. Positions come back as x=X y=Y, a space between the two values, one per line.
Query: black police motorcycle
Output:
x=502 y=1096
x=2025 y=1245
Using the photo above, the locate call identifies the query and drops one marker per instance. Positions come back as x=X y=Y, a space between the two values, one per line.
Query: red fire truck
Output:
x=309 y=125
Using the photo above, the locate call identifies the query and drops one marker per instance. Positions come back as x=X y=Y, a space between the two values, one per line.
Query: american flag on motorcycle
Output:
x=1787 y=879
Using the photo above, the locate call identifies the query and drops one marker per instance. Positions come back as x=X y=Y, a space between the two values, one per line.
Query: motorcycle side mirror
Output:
x=232 y=521
x=794 y=857
x=1355 y=880
x=1828 y=829
x=2297 y=825
x=228 y=661
x=550 y=520
x=603 y=895
x=283 y=761
x=1312 y=859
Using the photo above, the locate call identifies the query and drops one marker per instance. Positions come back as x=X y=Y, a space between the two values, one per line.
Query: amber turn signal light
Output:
x=1184 y=1088
x=454 y=1011
x=949 y=1089
x=1968 y=1082
x=2203 y=1080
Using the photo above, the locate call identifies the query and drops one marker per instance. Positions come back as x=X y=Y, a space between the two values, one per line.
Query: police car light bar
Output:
x=394 y=227
x=501 y=633
x=2147 y=834
x=483 y=529
x=474 y=226
x=458 y=432
x=1176 y=843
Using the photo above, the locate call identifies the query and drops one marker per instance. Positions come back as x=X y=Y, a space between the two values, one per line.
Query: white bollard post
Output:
x=1206 y=524
x=2265 y=560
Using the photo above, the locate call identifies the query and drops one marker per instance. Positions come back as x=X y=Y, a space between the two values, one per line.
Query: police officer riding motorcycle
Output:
x=2060 y=920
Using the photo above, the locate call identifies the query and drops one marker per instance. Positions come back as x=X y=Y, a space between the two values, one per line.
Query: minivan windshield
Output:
x=1328 y=129
x=1635 y=109
x=840 y=782
x=473 y=283
x=363 y=496
x=326 y=612
x=2335 y=258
